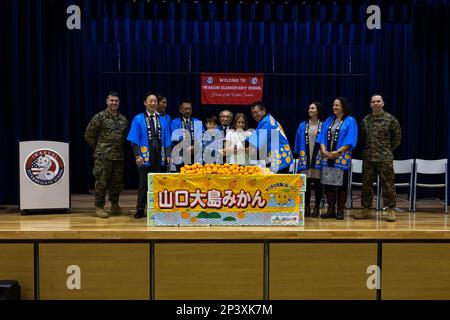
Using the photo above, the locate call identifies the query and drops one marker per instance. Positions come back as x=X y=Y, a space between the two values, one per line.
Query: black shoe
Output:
x=139 y=214
x=331 y=213
x=340 y=214
x=307 y=211
x=315 y=213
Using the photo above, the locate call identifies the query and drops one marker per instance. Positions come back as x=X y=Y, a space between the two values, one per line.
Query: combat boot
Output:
x=390 y=215
x=364 y=213
x=116 y=210
x=101 y=213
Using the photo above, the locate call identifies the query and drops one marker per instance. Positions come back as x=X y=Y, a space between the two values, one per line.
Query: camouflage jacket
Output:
x=106 y=134
x=381 y=135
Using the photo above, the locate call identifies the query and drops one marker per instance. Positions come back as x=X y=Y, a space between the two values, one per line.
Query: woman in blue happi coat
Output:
x=337 y=139
x=307 y=151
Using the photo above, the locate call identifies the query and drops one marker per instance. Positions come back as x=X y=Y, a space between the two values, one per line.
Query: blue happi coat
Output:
x=279 y=155
x=138 y=135
x=302 y=149
x=178 y=136
x=166 y=118
x=348 y=136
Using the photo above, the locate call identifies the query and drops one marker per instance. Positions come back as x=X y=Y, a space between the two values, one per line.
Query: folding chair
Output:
x=430 y=167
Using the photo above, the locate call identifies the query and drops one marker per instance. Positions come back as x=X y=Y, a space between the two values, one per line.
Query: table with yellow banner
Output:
x=225 y=199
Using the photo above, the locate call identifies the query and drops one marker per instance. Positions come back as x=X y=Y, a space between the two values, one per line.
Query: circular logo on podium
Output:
x=44 y=167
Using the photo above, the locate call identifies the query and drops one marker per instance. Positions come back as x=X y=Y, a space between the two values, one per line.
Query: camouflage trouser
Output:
x=108 y=173
x=387 y=177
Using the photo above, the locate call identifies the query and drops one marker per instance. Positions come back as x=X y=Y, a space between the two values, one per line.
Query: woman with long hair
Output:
x=337 y=139
x=307 y=151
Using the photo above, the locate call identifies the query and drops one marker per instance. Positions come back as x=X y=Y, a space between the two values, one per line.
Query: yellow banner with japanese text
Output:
x=227 y=193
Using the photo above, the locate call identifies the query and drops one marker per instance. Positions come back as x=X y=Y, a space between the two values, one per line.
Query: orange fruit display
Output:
x=227 y=168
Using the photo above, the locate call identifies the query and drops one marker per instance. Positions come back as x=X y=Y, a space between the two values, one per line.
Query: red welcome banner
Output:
x=231 y=88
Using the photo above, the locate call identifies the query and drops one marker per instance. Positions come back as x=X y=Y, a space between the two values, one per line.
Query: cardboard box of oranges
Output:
x=226 y=168
x=225 y=195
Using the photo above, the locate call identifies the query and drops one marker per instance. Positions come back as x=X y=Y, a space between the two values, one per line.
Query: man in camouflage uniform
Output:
x=106 y=134
x=381 y=135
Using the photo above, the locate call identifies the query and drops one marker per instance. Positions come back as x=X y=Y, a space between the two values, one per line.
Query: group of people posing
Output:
x=323 y=149
x=324 y=152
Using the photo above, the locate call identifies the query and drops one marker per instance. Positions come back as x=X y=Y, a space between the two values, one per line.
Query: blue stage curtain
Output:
x=58 y=78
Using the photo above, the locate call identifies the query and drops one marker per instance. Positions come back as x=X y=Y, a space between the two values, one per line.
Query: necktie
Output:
x=154 y=143
x=188 y=126
x=152 y=127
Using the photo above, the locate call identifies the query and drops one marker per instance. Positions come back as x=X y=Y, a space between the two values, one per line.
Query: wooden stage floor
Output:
x=122 y=258
x=429 y=222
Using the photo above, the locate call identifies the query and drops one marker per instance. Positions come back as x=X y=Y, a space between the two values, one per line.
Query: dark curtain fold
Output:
x=57 y=79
